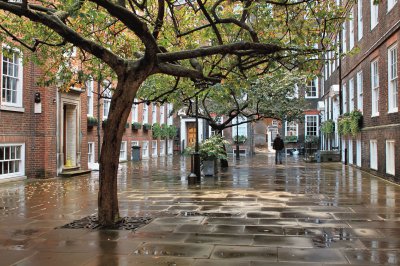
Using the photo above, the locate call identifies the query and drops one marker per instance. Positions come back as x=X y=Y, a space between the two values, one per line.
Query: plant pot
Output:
x=209 y=167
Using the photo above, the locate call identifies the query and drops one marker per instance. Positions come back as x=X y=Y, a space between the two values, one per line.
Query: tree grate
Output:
x=91 y=222
x=209 y=214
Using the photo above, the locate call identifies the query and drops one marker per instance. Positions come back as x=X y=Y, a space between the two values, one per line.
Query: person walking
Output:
x=278 y=146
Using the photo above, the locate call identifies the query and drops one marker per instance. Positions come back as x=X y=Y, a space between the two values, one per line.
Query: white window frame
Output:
x=351 y=95
x=170 y=117
x=358 y=152
x=344 y=38
x=17 y=56
x=89 y=90
x=106 y=101
x=390 y=4
x=351 y=29
x=373 y=154
x=306 y=126
x=350 y=152
x=21 y=160
x=170 y=150
x=91 y=152
x=393 y=91
x=145 y=149
x=390 y=157
x=374 y=14
x=242 y=127
x=344 y=95
x=135 y=112
x=313 y=93
x=374 y=88
x=162 y=114
x=162 y=147
x=291 y=124
x=154 y=148
x=360 y=25
x=145 y=116
x=153 y=113
x=360 y=91
x=326 y=67
x=123 y=153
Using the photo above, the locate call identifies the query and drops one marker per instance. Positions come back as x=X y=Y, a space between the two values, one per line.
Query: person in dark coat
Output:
x=278 y=146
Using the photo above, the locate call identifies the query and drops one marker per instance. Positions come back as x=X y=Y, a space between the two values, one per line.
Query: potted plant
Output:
x=210 y=150
x=146 y=126
x=91 y=121
x=136 y=126
x=164 y=131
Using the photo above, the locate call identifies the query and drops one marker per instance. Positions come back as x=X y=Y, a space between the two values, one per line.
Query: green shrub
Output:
x=239 y=139
x=328 y=127
x=156 y=131
x=290 y=139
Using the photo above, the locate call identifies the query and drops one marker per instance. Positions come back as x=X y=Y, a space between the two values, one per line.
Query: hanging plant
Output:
x=355 y=122
x=91 y=121
x=146 y=126
x=136 y=126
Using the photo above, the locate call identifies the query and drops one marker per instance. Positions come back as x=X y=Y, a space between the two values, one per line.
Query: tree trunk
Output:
x=223 y=162
x=121 y=104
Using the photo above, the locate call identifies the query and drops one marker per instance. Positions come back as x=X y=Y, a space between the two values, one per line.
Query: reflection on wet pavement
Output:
x=254 y=213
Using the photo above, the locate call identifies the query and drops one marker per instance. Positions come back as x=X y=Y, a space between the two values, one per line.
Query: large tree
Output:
x=138 y=39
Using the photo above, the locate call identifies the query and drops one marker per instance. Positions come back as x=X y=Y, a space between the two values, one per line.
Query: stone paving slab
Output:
x=252 y=214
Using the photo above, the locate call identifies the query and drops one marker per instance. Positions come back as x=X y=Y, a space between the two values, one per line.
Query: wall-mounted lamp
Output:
x=37 y=97
x=38 y=104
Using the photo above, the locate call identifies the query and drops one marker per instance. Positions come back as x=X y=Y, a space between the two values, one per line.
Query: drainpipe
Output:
x=340 y=86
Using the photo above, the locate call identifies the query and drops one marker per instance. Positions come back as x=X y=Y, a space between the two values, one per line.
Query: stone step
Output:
x=75 y=173
x=70 y=169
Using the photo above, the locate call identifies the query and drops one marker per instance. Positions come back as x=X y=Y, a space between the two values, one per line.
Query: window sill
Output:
x=12 y=109
x=12 y=179
x=375 y=115
x=396 y=110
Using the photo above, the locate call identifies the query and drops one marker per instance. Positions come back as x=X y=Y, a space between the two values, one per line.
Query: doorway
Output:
x=69 y=136
x=191 y=134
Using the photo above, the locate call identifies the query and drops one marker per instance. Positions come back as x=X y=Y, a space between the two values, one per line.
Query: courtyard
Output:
x=253 y=213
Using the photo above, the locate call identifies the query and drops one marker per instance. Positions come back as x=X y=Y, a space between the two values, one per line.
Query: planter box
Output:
x=210 y=167
x=328 y=156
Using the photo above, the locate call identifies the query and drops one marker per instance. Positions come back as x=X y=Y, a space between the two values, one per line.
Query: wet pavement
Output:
x=254 y=213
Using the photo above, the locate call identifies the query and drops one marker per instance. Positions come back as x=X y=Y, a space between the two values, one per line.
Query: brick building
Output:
x=296 y=133
x=366 y=79
x=45 y=132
